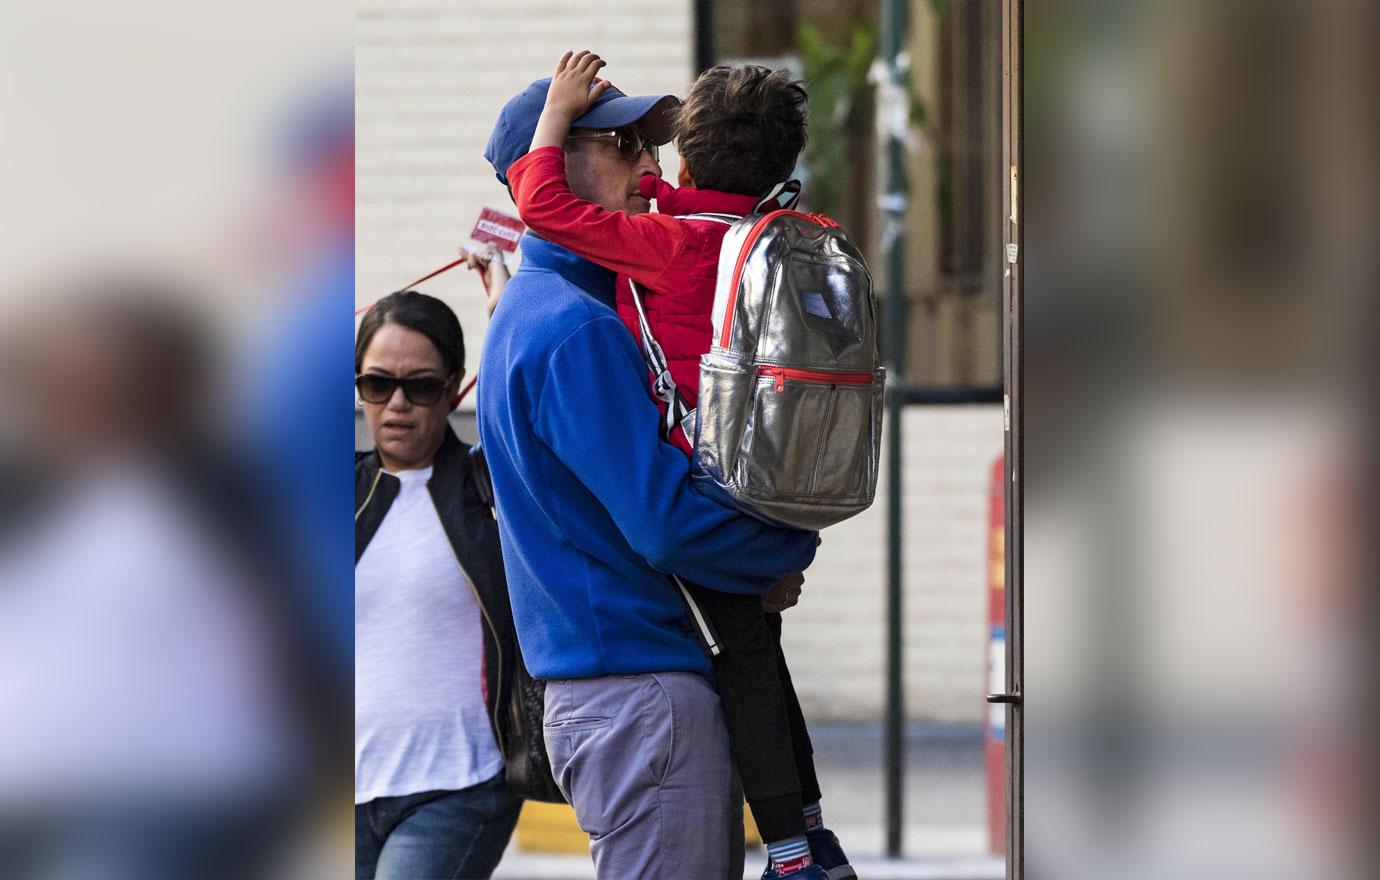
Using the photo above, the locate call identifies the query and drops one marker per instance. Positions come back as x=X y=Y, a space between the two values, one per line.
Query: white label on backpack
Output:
x=815 y=305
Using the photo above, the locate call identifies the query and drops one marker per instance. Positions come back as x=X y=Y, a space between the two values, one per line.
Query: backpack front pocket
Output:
x=726 y=388
x=810 y=437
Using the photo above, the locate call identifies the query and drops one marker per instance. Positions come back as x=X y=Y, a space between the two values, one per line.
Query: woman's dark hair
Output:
x=742 y=128
x=416 y=311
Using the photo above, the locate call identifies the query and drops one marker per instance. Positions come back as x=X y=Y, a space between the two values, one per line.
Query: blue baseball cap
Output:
x=517 y=121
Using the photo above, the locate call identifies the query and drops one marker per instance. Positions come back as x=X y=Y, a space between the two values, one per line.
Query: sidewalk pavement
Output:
x=945 y=832
x=527 y=866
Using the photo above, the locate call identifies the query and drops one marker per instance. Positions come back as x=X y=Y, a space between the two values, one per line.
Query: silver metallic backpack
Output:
x=789 y=419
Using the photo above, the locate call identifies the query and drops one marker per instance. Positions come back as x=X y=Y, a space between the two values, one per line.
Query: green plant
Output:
x=840 y=109
x=842 y=106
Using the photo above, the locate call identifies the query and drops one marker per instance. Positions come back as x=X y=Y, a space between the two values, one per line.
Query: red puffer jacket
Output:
x=674 y=260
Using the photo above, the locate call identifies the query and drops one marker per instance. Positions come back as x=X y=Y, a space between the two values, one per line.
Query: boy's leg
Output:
x=737 y=845
x=755 y=711
x=644 y=760
x=824 y=845
x=802 y=748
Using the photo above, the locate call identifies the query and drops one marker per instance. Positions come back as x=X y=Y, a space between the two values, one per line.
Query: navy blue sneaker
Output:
x=829 y=856
x=790 y=872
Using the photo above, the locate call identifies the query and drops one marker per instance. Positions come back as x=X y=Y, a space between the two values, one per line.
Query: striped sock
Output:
x=789 y=855
x=814 y=819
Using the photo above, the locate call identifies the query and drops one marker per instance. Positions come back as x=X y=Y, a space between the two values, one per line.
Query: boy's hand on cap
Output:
x=570 y=93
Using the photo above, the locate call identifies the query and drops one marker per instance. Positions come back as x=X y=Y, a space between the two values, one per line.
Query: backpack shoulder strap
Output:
x=678 y=410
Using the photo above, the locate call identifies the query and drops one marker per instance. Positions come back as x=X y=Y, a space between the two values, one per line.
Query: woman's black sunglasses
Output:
x=419 y=390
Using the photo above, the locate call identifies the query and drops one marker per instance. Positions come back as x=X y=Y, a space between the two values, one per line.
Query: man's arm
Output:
x=594 y=413
x=493 y=273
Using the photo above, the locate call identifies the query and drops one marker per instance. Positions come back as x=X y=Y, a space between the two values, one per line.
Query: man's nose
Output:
x=647 y=165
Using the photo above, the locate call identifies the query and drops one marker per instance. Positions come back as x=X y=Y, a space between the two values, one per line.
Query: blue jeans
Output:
x=456 y=835
x=149 y=840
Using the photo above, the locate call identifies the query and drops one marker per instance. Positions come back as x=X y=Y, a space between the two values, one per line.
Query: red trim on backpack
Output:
x=752 y=237
x=756 y=233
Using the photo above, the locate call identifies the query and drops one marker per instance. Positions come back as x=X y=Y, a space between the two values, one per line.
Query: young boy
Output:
x=740 y=132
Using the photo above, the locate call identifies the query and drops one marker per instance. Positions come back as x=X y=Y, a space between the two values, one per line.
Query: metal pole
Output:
x=705 y=49
x=893 y=204
x=1014 y=379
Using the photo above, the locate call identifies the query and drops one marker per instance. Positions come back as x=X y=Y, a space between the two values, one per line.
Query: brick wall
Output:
x=431 y=77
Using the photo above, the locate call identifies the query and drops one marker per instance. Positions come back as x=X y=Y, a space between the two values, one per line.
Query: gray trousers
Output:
x=644 y=760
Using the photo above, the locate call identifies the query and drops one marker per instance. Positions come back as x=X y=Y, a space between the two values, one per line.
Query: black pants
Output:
x=766 y=729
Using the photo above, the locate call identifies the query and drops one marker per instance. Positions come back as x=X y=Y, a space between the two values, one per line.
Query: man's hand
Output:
x=493 y=272
x=784 y=595
x=568 y=97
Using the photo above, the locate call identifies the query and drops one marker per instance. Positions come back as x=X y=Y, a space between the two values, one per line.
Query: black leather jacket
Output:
x=459 y=487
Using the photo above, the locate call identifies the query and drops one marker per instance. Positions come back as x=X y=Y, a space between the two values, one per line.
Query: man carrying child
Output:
x=595 y=509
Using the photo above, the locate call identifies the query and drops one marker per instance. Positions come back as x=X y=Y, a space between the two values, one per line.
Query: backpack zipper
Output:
x=781 y=374
x=754 y=234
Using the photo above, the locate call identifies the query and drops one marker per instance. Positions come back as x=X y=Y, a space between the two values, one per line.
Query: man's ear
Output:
x=683 y=178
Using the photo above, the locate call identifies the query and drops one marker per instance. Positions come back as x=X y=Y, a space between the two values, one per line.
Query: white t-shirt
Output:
x=420 y=720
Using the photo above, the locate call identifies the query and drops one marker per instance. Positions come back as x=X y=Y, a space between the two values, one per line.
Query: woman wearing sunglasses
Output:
x=435 y=655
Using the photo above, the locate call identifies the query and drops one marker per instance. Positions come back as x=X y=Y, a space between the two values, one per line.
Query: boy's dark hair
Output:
x=742 y=128
x=415 y=311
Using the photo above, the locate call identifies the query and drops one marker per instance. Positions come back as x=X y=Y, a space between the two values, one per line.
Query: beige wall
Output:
x=430 y=79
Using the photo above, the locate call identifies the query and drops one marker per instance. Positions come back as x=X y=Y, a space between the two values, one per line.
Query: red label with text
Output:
x=498 y=229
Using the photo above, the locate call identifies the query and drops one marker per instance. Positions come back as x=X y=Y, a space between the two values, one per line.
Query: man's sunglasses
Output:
x=628 y=139
x=419 y=390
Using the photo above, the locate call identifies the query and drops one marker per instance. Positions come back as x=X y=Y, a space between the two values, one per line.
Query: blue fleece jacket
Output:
x=593 y=508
